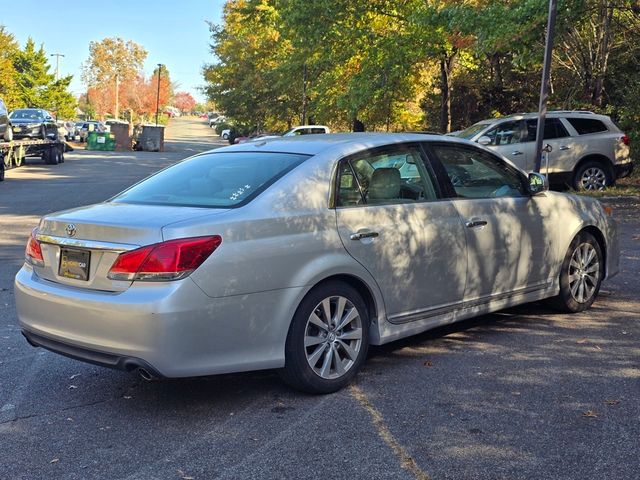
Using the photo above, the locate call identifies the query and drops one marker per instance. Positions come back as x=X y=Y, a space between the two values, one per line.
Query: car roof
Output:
x=552 y=114
x=337 y=143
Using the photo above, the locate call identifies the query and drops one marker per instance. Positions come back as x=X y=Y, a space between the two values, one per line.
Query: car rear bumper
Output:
x=171 y=329
x=623 y=169
x=119 y=362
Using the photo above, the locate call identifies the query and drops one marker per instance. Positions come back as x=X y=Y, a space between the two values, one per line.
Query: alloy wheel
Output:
x=593 y=178
x=333 y=337
x=584 y=272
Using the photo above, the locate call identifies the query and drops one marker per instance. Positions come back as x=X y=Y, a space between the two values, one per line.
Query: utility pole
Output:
x=116 y=112
x=57 y=55
x=158 y=95
x=544 y=88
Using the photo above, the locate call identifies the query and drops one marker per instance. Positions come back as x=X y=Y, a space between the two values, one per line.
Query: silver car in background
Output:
x=297 y=254
x=588 y=151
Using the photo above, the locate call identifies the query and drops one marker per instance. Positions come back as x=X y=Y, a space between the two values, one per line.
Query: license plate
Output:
x=74 y=263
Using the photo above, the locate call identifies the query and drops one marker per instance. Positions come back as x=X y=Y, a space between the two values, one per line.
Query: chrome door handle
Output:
x=475 y=223
x=564 y=147
x=361 y=235
x=516 y=152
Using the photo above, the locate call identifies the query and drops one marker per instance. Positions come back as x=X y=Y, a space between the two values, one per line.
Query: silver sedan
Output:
x=297 y=254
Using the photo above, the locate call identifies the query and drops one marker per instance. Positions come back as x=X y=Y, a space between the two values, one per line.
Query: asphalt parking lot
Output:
x=521 y=394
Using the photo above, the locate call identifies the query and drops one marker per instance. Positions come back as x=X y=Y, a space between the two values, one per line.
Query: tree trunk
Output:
x=358 y=126
x=446 y=64
x=602 y=53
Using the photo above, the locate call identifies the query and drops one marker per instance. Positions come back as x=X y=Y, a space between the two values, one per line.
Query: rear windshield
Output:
x=212 y=180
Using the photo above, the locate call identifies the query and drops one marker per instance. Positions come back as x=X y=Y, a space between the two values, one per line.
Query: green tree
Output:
x=247 y=81
x=36 y=87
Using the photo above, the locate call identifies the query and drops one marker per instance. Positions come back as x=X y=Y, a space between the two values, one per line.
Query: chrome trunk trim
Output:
x=88 y=244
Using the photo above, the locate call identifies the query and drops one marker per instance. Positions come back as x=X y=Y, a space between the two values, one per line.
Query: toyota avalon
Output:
x=297 y=254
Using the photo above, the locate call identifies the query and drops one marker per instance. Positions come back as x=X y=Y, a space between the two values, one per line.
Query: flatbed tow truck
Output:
x=13 y=154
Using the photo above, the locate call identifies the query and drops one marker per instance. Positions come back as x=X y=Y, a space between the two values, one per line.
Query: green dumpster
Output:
x=101 y=141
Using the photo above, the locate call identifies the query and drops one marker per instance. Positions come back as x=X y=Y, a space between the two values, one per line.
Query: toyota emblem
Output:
x=70 y=229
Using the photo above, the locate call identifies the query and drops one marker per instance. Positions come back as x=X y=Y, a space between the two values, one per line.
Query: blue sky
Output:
x=173 y=32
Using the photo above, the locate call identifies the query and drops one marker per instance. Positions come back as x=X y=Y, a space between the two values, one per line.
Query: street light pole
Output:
x=158 y=95
x=544 y=88
x=57 y=55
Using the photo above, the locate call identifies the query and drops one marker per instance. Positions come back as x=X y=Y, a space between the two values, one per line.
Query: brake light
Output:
x=170 y=260
x=626 y=139
x=33 y=252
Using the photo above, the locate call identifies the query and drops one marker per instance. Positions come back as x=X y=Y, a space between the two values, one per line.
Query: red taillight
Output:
x=170 y=260
x=33 y=252
x=626 y=139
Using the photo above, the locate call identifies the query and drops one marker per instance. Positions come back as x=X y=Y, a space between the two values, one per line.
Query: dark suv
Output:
x=33 y=123
x=5 y=124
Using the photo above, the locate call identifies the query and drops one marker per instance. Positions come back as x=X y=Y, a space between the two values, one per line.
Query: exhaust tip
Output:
x=145 y=375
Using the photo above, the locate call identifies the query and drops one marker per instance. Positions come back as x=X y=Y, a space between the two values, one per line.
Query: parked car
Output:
x=588 y=151
x=5 y=123
x=91 y=126
x=295 y=131
x=306 y=130
x=213 y=121
x=299 y=253
x=34 y=123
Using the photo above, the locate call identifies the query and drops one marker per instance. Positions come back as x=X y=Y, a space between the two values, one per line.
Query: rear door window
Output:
x=553 y=128
x=213 y=180
x=385 y=177
x=585 y=126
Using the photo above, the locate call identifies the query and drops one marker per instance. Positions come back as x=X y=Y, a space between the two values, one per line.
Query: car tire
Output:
x=225 y=136
x=61 y=155
x=1 y=168
x=8 y=134
x=580 y=275
x=592 y=175
x=322 y=355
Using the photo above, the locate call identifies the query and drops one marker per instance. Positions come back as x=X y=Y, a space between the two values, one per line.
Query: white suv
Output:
x=588 y=151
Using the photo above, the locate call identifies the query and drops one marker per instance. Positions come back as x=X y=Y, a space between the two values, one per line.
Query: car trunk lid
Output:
x=79 y=246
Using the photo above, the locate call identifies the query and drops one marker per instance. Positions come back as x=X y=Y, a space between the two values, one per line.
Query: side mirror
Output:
x=484 y=140
x=537 y=183
x=48 y=118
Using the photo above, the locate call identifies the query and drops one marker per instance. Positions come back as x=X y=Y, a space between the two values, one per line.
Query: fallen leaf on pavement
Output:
x=583 y=340
x=75 y=375
x=55 y=460
x=612 y=402
x=428 y=363
x=590 y=414
x=72 y=387
x=184 y=476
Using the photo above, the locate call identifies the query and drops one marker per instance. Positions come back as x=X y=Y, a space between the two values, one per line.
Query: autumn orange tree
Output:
x=184 y=102
x=112 y=63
